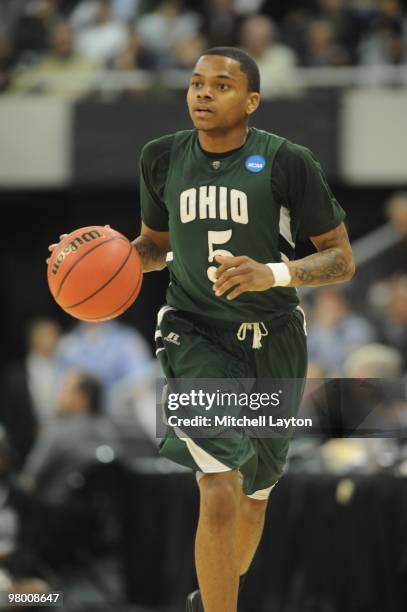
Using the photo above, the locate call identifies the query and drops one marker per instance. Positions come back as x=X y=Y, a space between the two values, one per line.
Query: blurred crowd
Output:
x=361 y=330
x=39 y=38
x=67 y=409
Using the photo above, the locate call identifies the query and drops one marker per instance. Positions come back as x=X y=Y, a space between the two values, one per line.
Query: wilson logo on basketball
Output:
x=73 y=246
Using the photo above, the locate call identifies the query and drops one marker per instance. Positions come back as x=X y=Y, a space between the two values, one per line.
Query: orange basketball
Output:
x=94 y=273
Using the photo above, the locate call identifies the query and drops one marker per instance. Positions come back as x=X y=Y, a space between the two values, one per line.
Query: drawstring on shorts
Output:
x=259 y=330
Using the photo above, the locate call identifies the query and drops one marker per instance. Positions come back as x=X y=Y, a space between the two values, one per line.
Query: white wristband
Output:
x=281 y=273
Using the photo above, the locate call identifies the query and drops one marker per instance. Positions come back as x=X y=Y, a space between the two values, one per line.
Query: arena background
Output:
x=91 y=511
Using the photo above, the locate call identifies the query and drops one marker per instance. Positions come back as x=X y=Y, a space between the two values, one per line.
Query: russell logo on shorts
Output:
x=173 y=337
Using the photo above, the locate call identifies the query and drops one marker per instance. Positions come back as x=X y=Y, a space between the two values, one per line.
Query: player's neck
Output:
x=221 y=142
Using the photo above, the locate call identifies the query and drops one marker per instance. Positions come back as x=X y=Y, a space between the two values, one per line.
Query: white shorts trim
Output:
x=206 y=463
x=262 y=494
x=162 y=312
x=304 y=325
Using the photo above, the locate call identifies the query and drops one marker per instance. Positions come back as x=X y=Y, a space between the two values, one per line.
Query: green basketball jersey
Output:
x=256 y=201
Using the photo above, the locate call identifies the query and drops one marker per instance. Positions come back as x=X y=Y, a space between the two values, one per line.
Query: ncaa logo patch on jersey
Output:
x=255 y=163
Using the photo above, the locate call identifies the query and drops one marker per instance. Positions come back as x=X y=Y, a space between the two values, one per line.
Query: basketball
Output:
x=94 y=273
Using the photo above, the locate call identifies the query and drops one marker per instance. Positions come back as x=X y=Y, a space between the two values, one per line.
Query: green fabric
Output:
x=212 y=201
x=207 y=352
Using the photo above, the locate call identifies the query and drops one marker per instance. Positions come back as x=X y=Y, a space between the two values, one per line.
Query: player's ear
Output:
x=253 y=102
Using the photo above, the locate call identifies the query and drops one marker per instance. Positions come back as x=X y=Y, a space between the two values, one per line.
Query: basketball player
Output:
x=223 y=205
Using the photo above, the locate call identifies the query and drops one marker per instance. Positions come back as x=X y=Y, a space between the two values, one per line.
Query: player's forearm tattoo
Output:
x=323 y=268
x=151 y=255
x=333 y=263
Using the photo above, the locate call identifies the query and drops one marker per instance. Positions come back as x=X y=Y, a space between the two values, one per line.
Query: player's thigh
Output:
x=189 y=354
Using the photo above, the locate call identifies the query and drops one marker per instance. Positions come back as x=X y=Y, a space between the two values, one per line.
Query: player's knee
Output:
x=253 y=510
x=219 y=498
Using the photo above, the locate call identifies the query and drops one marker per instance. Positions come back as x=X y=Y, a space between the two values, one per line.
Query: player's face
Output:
x=218 y=96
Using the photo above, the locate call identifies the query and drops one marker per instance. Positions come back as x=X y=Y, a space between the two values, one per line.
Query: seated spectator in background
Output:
x=9 y=527
x=385 y=364
x=396 y=210
x=188 y=50
x=374 y=361
x=346 y=24
x=66 y=492
x=276 y=61
x=28 y=389
x=86 y=11
x=48 y=77
x=110 y=350
x=389 y=301
x=221 y=23
x=335 y=330
x=33 y=30
x=76 y=438
x=294 y=28
x=315 y=370
x=322 y=47
x=105 y=37
x=248 y=7
x=385 y=47
x=162 y=29
x=5 y=63
x=134 y=56
x=384 y=44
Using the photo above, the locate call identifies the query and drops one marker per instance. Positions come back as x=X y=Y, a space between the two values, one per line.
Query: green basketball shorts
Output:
x=191 y=348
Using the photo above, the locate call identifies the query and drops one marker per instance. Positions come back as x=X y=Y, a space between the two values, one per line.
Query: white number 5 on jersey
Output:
x=215 y=238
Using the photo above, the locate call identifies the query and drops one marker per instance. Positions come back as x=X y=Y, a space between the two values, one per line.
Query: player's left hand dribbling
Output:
x=242 y=274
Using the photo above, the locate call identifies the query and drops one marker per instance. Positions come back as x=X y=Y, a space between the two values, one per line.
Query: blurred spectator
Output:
x=385 y=364
x=61 y=506
x=5 y=63
x=221 y=23
x=78 y=437
x=8 y=520
x=110 y=350
x=388 y=303
x=393 y=326
x=28 y=389
x=248 y=7
x=33 y=31
x=373 y=361
x=188 y=50
x=105 y=38
x=48 y=77
x=322 y=48
x=86 y=12
x=315 y=370
x=335 y=330
x=346 y=25
x=276 y=62
x=162 y=29
x=9 y=528
x=134 y=56
x=294 y=28
x=396 y=209
x=385 y=42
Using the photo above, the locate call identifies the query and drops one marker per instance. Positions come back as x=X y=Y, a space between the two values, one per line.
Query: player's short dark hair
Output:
x=247 y=64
